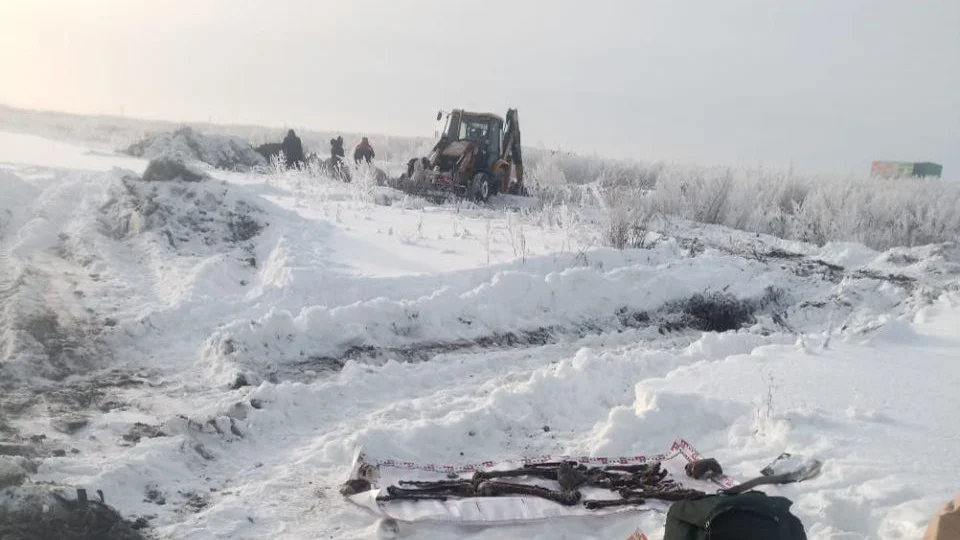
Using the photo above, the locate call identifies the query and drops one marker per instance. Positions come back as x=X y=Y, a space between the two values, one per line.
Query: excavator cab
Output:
x=483 y=129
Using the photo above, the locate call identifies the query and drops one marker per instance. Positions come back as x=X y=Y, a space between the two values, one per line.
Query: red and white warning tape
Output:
x=679 y=446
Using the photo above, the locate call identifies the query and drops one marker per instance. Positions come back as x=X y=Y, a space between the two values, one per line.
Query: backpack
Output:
x=744 y=516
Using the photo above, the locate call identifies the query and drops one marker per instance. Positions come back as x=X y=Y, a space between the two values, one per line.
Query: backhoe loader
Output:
x=478 y=156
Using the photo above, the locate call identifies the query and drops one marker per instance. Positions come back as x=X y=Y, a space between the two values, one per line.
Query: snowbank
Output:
x=185 y=214
x=185 y=144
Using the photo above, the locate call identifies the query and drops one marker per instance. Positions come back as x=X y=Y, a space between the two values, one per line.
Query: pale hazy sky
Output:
x=828 y=85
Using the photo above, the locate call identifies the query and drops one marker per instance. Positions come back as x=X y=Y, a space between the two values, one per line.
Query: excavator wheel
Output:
x=481 y=188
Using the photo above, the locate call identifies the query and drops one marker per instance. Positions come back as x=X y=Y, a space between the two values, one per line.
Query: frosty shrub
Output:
x=573 y=179
x=626 y=223
x=547 y=181
x=277 y=165
x=875 y=212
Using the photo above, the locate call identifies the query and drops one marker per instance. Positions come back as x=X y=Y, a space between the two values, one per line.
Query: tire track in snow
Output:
x=51 y=339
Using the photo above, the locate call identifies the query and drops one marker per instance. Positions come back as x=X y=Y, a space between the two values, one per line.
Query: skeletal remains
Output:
x=635 y=484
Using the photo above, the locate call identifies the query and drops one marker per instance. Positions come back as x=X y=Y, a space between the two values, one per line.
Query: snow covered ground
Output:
x=212 y=354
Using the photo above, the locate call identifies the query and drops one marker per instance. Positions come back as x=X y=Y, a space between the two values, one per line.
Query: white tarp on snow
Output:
x=510 y=509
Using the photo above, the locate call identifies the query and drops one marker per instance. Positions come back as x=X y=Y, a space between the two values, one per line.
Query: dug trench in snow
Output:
x=706 y=312
x=845 y=296
x=822 y=290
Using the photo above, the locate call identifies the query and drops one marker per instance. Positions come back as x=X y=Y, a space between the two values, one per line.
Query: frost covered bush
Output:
x=584 y=169
x=877 y=213
x=547 y=181
x=626 y=224
x=568 y=178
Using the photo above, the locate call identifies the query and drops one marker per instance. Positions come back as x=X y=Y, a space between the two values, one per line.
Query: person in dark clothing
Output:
x=363 y=152
x=336 y=148
x=292 y=149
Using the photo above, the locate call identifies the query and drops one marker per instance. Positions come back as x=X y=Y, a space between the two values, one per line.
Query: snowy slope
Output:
x=230 y=343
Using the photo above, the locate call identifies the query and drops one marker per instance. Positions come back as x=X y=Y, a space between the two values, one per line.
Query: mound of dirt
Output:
x=37 y=513
x=168 y=169
x=186 y=144
x=188 y=216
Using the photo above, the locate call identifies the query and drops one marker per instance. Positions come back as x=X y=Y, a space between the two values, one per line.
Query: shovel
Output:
x=786 y=469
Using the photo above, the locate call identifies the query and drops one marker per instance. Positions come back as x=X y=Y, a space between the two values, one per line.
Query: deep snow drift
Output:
x=211 y=354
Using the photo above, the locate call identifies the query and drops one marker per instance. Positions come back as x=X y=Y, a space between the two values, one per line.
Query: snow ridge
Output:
x=662 y=288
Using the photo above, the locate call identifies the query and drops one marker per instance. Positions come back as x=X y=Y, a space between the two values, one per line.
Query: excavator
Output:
x=478 y=156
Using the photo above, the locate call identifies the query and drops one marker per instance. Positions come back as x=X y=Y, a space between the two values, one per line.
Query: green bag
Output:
x=744 y=516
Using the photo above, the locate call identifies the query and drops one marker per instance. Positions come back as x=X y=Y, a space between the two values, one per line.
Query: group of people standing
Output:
x=293 y=150
x=363 y=152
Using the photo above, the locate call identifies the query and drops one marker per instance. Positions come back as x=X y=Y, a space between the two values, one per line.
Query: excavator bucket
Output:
x=513 y=154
